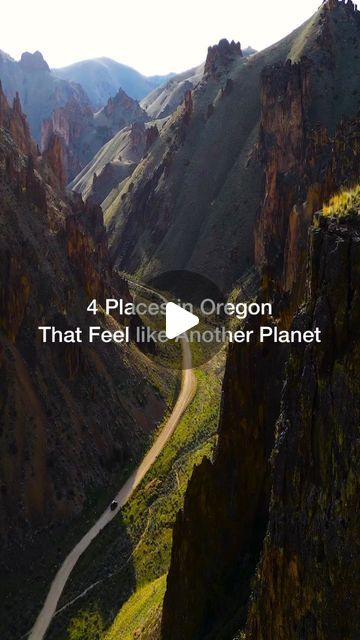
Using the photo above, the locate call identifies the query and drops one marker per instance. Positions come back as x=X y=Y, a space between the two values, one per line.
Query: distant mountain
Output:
x=102 y=77
x=40 y=90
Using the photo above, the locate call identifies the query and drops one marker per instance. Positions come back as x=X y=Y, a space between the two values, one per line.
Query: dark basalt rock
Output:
x=221 y=55
x=307 y=584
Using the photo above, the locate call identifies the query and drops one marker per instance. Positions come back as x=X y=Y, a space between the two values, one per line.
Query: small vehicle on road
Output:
x=114 y=505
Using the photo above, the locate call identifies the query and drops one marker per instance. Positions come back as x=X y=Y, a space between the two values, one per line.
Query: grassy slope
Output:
x=139 y=612
x=132 y=556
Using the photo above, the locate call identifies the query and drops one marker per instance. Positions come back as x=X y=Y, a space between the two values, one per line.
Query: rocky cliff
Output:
x=218 y=535
x=305 y=536
x=82 y=133
x=305 y=162
x=221 y=55
x=306 y=585
x=60 y=437
x=40 y=90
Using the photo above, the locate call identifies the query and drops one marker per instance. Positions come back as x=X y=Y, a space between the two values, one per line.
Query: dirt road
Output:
x=187 y=392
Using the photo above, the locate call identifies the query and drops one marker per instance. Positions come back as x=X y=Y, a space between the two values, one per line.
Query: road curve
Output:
x=187 y=392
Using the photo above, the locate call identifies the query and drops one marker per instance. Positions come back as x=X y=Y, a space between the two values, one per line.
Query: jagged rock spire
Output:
x=333 y=4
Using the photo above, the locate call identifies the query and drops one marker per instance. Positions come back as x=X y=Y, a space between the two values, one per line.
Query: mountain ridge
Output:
x=110 y=75
x=40 y=91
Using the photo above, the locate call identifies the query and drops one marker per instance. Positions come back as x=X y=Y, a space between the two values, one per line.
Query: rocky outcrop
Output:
x=55 y=157
x=221 y=55
x=54 y=260
x=332 y=5
x=32 y=62
x=83 y=133
x=152 y=134
x=15 y=121
x=218 y=535
x=87 y=247
x=188 y=107
x=41 y=92
x=304 y=165
x=68 y=128
x=307 y=584
x=119 y=112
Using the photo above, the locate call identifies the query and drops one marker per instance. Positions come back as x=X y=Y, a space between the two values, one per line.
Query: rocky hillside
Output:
x=40 y=90
x=60 y=438
x=163 y=100
x=266 y=545
x=104 y=175
x=102 y=77
x=226 y=111
x=83 y=133
x=118 y=159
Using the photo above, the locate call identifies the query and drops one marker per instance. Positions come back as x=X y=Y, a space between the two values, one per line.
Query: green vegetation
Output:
x=150 y=514
x=127 y=564
x=139 y=608
x=344 y=203
x=88 y=626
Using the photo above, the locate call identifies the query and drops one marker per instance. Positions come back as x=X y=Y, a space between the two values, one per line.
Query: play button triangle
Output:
x=178 y=320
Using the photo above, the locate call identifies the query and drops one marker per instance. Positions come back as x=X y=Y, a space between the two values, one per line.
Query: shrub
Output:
x=344 y=203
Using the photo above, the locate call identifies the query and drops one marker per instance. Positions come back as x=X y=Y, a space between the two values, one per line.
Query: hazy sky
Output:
x=153 y=36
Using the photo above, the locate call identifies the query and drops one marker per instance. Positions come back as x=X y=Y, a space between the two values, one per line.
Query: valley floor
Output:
x=118 y=585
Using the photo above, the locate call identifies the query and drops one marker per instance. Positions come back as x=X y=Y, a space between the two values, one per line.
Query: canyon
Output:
x=60 y=435
x=241 y=169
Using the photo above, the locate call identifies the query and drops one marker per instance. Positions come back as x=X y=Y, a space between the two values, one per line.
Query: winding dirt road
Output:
x=187 y=392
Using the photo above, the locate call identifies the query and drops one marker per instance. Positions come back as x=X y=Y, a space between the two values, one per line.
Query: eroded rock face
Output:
x=218 y=535
x=32 y=62
x=15 y=121
x=54 y=260
x=56 y=157
x=39 y=88
x=304 y=165
x=152 y=134
x=331 y=5
x=119 y=111
x=307 y=584
x=221 y=55
x=83 y=133
x=69 y=128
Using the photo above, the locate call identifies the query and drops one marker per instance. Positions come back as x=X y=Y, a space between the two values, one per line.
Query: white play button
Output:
x=178 y=320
